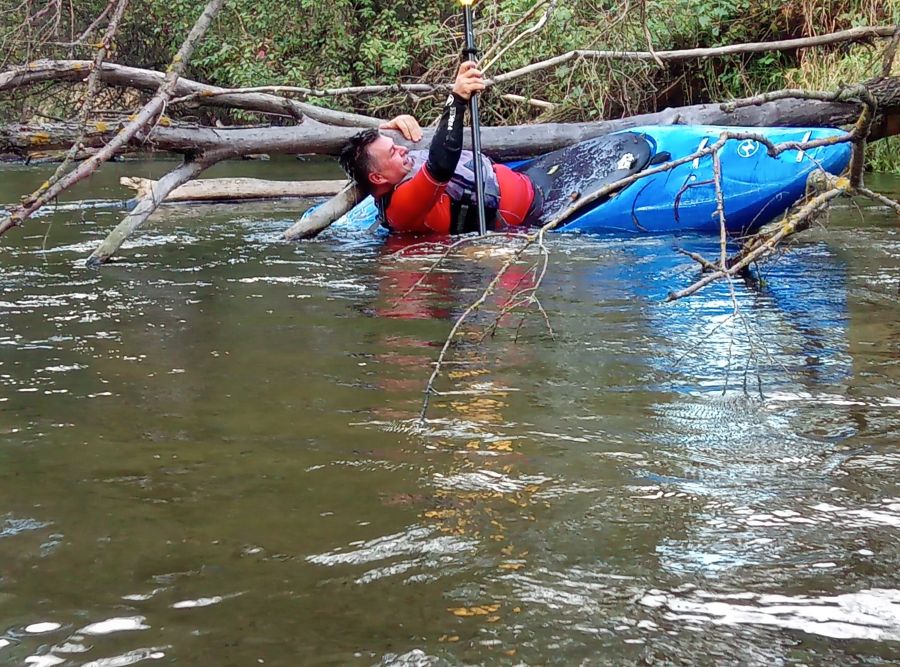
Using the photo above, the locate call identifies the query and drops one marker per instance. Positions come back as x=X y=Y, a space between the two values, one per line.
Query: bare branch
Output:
x=647 y=35
x=87 y=102
x=93 y=26
x=185 y=90
x=700 y=259
x=853 y=34
x=489 y=58
x=499 y=39
x=540 y=104
x=890 y=52
x=186 y=171
x=890 y=203
x=473 y=307
x=145 y=117
x=791 y=225
x=400 y=88
x=720 y=210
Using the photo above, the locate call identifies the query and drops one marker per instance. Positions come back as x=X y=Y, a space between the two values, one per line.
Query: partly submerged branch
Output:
x=311 y=225
x=146 y=206
x=144 y=119
x=763 y=244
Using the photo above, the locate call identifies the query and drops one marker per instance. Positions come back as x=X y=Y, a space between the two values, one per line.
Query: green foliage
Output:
x=884 y=156
x=336 y=43
x=827 y=71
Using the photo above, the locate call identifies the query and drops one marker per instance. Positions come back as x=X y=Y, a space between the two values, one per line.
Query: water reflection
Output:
x=209 y=451
x=790 y=330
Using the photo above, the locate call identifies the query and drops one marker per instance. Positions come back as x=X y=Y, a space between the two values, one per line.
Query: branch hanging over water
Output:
x=143 y=120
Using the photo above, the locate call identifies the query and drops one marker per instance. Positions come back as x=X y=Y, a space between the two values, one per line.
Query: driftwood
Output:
x=230 y=189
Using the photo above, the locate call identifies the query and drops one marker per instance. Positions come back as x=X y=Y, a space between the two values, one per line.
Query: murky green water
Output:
x=209 y=455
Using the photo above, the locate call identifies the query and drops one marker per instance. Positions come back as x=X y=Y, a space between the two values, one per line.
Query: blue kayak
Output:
x=757 y=188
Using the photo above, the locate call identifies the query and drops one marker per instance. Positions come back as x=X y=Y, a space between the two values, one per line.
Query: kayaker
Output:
x=433 y=191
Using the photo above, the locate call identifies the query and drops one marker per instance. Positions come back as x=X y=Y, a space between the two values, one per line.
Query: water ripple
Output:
x=869 y=614
x=429 y=550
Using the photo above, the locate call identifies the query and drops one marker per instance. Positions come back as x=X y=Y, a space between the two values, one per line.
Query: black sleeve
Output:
x=448 y=137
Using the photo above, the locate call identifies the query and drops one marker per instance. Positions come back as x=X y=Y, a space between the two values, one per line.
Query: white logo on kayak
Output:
x=626 y=161
x=747 y=148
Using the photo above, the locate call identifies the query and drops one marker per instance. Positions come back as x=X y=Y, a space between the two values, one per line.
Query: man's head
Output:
x=374 y=161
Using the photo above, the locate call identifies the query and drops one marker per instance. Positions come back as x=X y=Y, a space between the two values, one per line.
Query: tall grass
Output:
x=826 y=71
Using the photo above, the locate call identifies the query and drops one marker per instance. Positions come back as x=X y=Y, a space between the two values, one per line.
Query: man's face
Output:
x=390 y=162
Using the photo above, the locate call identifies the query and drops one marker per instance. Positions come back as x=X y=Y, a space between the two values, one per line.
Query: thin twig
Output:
x=541 y=22
x=429 y=388
x=93 y=26
x=720 y=210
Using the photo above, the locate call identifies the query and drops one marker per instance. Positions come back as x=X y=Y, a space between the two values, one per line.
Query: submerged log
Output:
x=334 y=208
x=231 y=189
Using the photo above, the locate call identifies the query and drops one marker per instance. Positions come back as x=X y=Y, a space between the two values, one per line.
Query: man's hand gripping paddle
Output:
x=471 y=53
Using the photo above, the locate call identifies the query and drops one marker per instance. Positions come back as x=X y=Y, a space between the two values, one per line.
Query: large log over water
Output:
x=311 y=136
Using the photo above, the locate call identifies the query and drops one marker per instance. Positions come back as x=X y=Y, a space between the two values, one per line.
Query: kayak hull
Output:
x=756 y=187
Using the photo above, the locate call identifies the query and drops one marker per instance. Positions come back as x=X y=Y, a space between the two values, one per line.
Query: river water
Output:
x=209 y=450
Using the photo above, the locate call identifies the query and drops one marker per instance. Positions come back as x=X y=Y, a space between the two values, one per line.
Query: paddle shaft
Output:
x=470 y=53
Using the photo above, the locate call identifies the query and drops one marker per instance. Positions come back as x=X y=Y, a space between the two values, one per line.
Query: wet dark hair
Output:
x=355 y=158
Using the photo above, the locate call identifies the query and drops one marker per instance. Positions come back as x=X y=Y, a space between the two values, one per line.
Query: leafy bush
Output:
x=336 y=43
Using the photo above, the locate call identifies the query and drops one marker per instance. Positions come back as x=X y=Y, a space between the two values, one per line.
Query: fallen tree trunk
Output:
x=230 y=189
x=510 y=142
